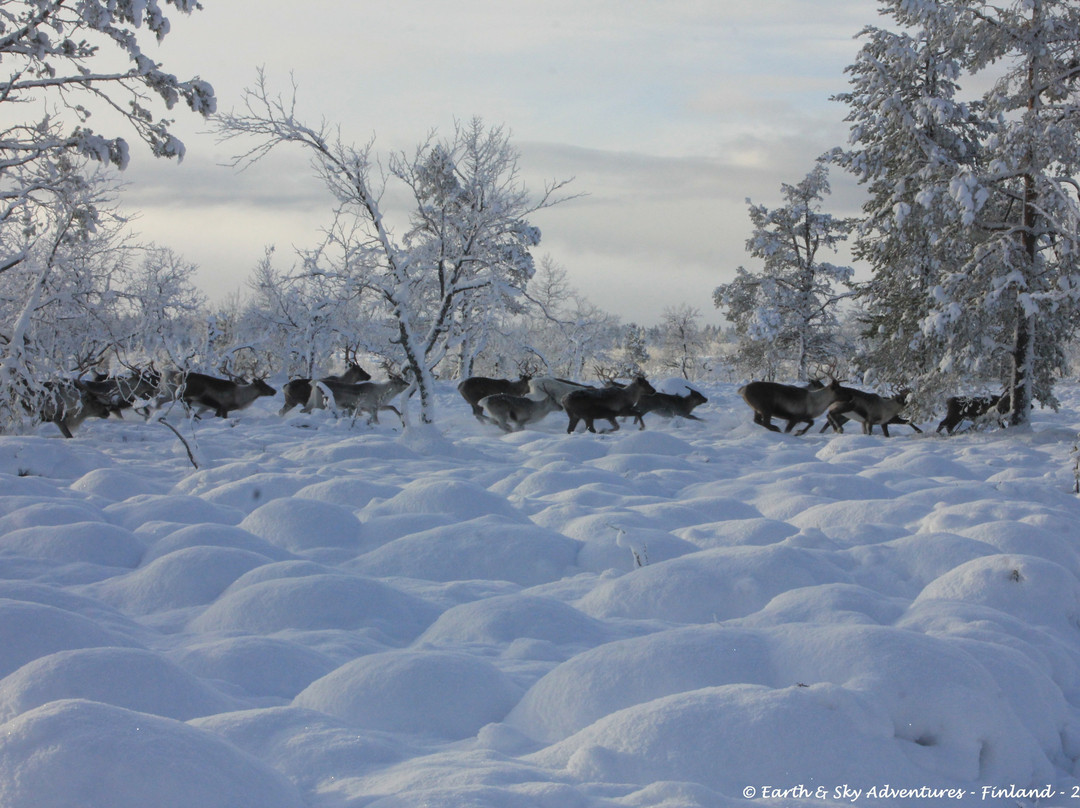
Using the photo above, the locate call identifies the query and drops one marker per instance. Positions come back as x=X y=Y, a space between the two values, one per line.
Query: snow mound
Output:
x=298 y=525
x=193 y=576
x=710 y=585
x=124 y=677
x=99 y=756
x=487 y=548
x=622 y=539
x=447 y=694
x=726 y=737
x=32 y=630
x=261 y=666
x=650 y=442
x=557 y=478
x=503 y=619
x=947 y=713
x=116 y=484
x=1020 y=537
x=88 y=542
x=456 y=499
x=304 y=744
x=46 y=513
x=187 y=510
x=854 y=521
x=621 y=674
x=829 y=603
x=350 y=492
x=45 y=457
x=291 y=568
x=212 y=535
x=317 y=602
x=729 y=532
x=255 y=490
x=1030 y=589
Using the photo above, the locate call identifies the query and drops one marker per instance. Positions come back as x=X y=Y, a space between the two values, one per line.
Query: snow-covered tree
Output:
x=910 y=131
x=562 y=328
x=161 y=309
x=56 y=300
x=682 y=343
x=635 y=351
x=305 y=317
x=468 y=243
x=787 y=310
x=990 y=191
x=64 y=64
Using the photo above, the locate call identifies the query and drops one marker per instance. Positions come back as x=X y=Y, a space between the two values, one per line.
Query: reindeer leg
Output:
x=765 y=421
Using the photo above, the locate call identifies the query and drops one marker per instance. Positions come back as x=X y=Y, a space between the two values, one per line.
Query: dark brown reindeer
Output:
x=971 y=408
x=475 y=388
x=869 y=409
x=668 y=405
x=793 y=404
x=607 y=403
x=202 y=393
x=67 y=405
x=298 y=391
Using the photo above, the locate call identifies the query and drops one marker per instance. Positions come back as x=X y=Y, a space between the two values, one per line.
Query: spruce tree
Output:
x=971 y=226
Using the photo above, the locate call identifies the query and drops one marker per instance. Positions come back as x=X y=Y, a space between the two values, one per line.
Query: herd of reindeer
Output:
x=510 y=404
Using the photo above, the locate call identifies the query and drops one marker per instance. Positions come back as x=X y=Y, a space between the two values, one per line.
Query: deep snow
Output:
x=332 y=614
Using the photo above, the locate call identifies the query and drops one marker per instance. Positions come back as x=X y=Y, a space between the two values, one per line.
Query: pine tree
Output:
x=787 y=310
x=972 y=223
x=910 y=132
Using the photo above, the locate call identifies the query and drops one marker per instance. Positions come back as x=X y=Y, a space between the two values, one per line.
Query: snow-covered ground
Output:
x=333 y=615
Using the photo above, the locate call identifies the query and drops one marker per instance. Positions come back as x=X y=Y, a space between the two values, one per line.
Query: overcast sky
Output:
x=667 y=115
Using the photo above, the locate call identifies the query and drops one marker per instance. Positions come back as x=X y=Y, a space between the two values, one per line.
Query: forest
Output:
x=963 y=133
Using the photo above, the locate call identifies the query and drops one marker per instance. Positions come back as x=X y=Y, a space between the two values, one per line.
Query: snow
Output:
x=339 y=615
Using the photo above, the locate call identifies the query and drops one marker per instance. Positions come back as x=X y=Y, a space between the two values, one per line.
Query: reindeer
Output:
x=202 y=392
x=668 y=405
x=298 y=391
x=367 y=396
x=475 y=388
x=119 y=393
x=608 y=403
x=868 y=408
x=66 y=404
x=512 y=413
x=794 y=404
x=959 y=408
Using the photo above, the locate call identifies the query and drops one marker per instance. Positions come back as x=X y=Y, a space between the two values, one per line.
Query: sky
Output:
x=666 y=116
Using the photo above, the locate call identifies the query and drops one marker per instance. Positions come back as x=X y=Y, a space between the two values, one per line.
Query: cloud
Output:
x=667 y=115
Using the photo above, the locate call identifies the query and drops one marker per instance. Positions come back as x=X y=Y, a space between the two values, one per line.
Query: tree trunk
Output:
x=1023 y=368
x=1023 y=357
x=421 y=376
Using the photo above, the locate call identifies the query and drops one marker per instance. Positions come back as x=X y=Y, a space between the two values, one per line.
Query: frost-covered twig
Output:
x=176 y=432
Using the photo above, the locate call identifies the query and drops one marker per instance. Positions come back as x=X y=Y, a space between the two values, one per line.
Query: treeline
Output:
x=970 y=231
